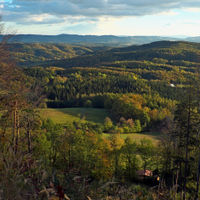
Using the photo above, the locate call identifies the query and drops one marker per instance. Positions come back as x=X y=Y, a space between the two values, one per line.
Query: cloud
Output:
x=78 y=11
x=75 y=20
x=192 y=22
x=195 y=10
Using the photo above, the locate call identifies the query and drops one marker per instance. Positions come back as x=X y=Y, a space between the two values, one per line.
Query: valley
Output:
x=103 y=112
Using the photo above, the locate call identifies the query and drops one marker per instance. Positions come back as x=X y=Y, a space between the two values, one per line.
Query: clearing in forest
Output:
x=66 y=116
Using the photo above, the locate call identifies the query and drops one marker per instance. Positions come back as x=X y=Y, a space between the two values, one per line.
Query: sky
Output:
x=179 y=18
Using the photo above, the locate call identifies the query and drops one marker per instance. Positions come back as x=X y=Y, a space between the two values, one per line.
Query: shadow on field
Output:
x=94 y=115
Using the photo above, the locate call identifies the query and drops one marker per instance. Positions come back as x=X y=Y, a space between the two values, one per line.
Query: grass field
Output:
x=66 y=116
x=138 y=136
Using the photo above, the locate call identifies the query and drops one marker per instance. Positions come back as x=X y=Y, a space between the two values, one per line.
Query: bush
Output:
x=88 y=104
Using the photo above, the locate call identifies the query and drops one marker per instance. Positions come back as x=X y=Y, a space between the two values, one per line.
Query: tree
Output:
x=146 y=152
x=52 y=132
x=30 y=121
x=137 y=127
x=108 y=124
x=187 y=119
x=88 y=104
x=116 y=143
x=12 y=89
x=7 y=68
x=129 y=150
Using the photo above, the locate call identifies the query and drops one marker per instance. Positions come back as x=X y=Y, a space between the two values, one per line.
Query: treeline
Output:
x=121 y=91
x=31 y=53
x=148 y=109
x=74 y=83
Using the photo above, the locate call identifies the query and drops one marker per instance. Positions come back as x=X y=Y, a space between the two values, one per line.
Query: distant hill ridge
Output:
x=169 y=50
x=82 y=55
x=104 y=39
x=159 y=45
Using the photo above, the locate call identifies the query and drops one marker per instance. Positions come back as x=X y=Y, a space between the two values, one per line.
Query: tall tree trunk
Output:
x=29 y=140
x=197 y=188
x=129 y=170
x=17 y=129
x=177 y=172
x=14 y=124
x=69 y=154
x=186 y=153
x=174 y=146
x=180 y=175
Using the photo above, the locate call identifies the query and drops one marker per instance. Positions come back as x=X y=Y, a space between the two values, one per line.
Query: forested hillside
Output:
x=152 y=88
x=28 y=54
x=154 y=76
x=172 y=53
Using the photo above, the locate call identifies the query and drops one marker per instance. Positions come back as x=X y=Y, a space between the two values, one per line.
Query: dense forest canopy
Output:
x=152 y=88
x=159 y=72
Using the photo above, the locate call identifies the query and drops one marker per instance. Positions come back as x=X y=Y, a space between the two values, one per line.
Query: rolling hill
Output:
x=168 y=50
x=28 y=54
x=109 y=40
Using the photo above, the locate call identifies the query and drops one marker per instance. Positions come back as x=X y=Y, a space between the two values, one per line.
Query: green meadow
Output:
x=65 y=116
x=138 y=136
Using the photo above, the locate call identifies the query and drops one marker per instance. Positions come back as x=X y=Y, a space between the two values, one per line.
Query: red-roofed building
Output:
x=145 y=173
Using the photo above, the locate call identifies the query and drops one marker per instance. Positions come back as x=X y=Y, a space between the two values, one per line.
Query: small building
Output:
x=172 y=85
x=145 y=173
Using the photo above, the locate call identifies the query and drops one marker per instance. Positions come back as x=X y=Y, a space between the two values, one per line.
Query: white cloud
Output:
x=196 y=10
x=90 y=9
x=99 y=16
x=168 y=13
x=192 y=22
